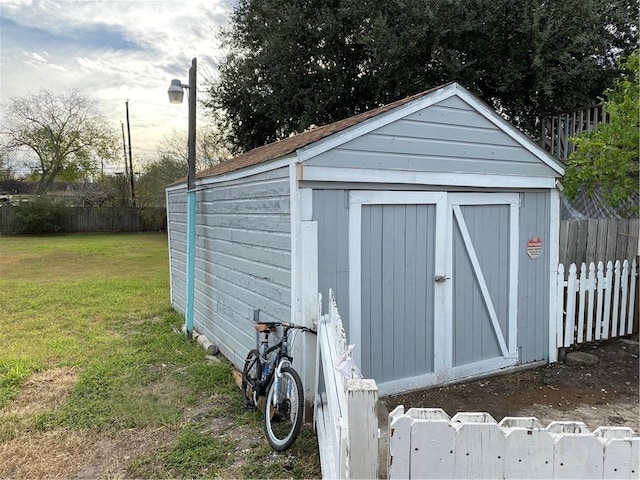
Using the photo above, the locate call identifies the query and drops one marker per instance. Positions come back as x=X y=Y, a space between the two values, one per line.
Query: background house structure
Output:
x=433 y=220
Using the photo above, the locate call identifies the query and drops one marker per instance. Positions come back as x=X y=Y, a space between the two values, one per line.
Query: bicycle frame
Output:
x=265 y=368
x=282 y=357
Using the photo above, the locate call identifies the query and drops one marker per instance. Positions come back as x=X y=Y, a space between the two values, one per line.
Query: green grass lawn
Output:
x=98 y=306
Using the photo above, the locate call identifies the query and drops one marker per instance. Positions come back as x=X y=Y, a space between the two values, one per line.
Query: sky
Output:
x=113 y=51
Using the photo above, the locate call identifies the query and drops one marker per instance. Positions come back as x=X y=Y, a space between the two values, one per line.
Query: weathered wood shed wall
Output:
x=433 y=220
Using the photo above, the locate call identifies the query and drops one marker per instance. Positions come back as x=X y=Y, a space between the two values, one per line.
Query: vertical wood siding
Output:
x=243 y=258
x=331 y=211
x=534 y=277
x=473 y=336
x=397 y=287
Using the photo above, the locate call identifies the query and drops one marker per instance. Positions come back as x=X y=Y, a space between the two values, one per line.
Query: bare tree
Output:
x=66 y=133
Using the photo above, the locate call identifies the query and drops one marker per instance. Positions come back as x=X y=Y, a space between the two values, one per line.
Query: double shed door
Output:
x=436 y=275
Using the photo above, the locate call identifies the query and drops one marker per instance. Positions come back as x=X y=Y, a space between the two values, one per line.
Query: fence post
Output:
x=571 y=307
x=362 y=457
x=616 y=300
x=623 y=298
x=608 y=283
x=632 y=296
x=600 y=296
x=582 y=298
x=592 y=286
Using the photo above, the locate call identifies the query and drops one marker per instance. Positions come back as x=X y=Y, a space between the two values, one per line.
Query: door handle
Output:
x=441 y=278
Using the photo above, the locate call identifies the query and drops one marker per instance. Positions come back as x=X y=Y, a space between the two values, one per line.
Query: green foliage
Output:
x=606 y=159
x=198 y=455
x=42 y=214
x=155 y=177
x=293 y=63
x=98 y=305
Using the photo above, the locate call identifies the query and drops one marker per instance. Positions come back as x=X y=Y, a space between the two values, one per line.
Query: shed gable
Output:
x=449 y=136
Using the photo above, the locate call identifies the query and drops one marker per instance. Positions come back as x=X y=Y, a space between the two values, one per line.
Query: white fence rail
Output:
x=595 y=303
x=345 y=412
x=426 y=443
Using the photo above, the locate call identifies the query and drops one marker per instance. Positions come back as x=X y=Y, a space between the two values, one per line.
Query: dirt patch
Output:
x=78 y=454
x=604 y=394
x=43 y=391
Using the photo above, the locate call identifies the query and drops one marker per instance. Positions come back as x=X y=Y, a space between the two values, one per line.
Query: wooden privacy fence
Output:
x=596 y=303
x=345 y=413
x=96 y=219
x=556 y=131
x=426 y=443
x=598 y=240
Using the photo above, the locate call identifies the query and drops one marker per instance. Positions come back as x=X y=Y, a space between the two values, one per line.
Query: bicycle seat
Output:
x=264 y=326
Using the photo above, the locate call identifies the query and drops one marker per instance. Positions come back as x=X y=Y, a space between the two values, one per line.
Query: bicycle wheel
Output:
x=251 y=377
x=282 y=421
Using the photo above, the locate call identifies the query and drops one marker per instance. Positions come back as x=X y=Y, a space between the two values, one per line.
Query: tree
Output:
x=211 y=148
x=293 y=63
x=606 y=159
x=156 y=176
x=65 y=132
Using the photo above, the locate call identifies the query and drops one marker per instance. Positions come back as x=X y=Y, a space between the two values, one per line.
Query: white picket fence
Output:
x=345 y=412
x=427 y=443
x=595 y=304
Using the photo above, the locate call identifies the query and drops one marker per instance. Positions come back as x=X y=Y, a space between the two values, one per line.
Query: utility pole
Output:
x=124 y=148
x=133 y=191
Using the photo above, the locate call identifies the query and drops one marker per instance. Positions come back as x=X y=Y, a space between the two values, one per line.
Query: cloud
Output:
x=98 y=36
x=112 y=50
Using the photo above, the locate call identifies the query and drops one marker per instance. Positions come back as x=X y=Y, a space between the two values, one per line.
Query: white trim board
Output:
x=241 y=173
x=554 y=254
x=488 y=113
x=458 y=374
x=369 y=175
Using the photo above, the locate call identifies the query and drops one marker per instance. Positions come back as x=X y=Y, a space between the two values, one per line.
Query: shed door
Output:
x=433 y=274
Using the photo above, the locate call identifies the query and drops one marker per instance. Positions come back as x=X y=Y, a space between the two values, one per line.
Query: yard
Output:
x=95 y=382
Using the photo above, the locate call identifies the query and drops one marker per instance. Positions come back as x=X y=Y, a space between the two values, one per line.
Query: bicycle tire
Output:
x=251 y=374
x=282 y=422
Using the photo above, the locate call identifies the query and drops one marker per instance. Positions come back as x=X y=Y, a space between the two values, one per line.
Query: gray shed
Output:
x=434 y=221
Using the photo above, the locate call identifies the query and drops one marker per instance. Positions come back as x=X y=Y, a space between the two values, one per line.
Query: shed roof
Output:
x=279 y=149
x=288 y=145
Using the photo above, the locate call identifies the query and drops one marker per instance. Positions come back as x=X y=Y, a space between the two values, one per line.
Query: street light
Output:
x=176 y=91
x=176 y=94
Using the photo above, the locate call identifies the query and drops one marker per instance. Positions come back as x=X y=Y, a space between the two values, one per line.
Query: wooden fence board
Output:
x=519 y=447
x=598 y=240
x=592 y=240
x=601 y=250
x=633 y=243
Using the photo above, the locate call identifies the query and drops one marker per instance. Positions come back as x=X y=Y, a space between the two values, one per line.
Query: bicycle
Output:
x=284 y=403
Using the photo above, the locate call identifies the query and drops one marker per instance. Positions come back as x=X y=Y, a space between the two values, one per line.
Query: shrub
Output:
x=43 y=214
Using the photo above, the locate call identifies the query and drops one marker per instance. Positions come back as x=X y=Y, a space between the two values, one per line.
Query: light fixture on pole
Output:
x=176 y=91
x=176 y=94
